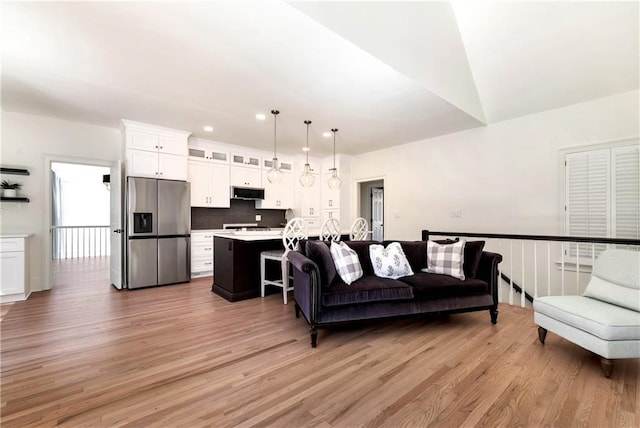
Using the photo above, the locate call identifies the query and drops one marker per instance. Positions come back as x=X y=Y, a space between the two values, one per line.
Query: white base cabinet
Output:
x=14 y=268
x=201 y=253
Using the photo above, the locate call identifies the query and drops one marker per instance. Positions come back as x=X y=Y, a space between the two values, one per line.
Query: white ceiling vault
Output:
x=384 y=73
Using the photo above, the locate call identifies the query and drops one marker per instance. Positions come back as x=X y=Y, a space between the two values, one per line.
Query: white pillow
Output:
x=389 y=262
x=346 y=262
x=446 y=259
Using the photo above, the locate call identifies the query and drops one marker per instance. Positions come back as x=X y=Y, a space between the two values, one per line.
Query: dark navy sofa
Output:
x=325 y=300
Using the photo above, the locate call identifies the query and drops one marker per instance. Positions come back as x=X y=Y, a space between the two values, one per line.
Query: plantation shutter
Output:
x=626 y=192
x=587 y=197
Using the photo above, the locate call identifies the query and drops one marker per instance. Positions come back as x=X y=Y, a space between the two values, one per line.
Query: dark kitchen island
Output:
x=237 y=264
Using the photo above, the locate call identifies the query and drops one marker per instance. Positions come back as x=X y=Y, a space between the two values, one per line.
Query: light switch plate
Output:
x=258 y=217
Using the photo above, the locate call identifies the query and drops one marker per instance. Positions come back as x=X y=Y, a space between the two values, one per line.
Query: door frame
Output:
x=46 y=242
x=358 y=186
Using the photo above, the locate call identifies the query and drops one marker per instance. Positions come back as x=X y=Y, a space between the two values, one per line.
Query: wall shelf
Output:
x=18 y=199
x=14 y=171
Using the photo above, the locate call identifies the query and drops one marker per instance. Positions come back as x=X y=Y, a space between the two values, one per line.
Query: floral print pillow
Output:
x=389 y=262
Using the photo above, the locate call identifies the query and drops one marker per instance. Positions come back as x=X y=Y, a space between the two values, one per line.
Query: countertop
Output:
x=248 y=236
x=17 y=235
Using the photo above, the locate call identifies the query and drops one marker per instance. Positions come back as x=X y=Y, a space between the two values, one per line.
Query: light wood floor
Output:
x=86 y=354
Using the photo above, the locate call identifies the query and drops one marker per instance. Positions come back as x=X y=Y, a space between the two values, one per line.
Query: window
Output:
x=602 y=195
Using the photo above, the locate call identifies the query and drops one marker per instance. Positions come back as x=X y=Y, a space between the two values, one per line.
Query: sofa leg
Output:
x=607 y=366
x=542 y=334
x=314 y=337
x=494 y=315
x=297 y=310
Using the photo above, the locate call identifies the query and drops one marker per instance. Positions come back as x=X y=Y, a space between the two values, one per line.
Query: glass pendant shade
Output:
x=274 y=175
x=335 y=181
x=307 y=178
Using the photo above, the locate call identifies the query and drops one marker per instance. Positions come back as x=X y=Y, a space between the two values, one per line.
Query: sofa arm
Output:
x=306 y=284
x=488 y=272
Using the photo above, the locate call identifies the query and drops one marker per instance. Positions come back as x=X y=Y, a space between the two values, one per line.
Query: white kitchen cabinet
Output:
x=336 y=203
x=14 y=268
x=330 y=197
x=209 y=184
x=201 y=253
x=212 y=155
x=277 y=195
x=310 y=199
x=247 y=160
x=243 y=176
x=153 y=151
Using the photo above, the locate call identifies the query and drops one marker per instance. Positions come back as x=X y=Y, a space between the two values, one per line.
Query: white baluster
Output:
x=499 y=273
x=535 y=270
x=562 y=268
x=577 y=267
x=511 y=272
x=548 y=268
x=522 y=284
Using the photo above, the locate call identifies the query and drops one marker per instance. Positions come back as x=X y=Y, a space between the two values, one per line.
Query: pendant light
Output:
x=274 y=175
x=307 y=178
x=335 y=181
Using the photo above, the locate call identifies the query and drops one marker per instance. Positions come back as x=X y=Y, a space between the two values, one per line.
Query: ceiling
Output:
x=384 y=73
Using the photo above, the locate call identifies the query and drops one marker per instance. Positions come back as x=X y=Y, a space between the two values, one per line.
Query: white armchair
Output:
x=606 y=318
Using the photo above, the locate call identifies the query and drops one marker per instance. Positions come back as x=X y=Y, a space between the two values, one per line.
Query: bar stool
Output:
x=294 y=231
x=330 y=230
x=359 y=230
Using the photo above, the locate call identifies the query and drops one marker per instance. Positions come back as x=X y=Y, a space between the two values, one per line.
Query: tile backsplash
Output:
x=241 y=211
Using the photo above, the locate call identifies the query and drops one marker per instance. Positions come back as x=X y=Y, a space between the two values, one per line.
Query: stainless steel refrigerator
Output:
x=158 y=232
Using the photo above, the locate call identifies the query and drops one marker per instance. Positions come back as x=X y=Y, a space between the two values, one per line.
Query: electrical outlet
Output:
x=457 y=213
x=258 y=217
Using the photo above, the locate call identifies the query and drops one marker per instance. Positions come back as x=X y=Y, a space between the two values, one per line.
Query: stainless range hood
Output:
x=248 y=193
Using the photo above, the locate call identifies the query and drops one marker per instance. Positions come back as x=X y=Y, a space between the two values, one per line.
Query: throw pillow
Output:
x=346 y=262
x=318 y=252
x=446 y=259
x=472 y=255
x=389 y=262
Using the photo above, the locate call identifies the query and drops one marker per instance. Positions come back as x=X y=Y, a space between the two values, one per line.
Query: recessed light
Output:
x=305 y=149
x=208 y=128
x=260 y=116
x=326 y=134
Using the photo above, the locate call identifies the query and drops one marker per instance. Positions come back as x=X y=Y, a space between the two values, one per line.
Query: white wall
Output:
x=504 y=177
x=27 y=141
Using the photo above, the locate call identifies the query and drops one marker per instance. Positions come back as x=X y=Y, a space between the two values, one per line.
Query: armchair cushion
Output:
x=616 y=279
x=601 y=319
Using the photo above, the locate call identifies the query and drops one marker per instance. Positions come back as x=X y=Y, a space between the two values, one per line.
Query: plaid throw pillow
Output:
x=445 y=259
x=389 y=262
x=346 y=262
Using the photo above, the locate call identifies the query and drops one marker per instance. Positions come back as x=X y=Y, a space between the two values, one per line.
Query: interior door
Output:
x=377 y=213
x=116 y=226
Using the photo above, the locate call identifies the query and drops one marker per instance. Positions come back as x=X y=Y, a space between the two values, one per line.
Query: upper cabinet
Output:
x=209 y=184
x=277 y=195
x=336 y=203
x=244 y=159
x=154 y=151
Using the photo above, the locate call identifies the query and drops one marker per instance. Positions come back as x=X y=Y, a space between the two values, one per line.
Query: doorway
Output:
x=80 y=244
x=372 y=206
